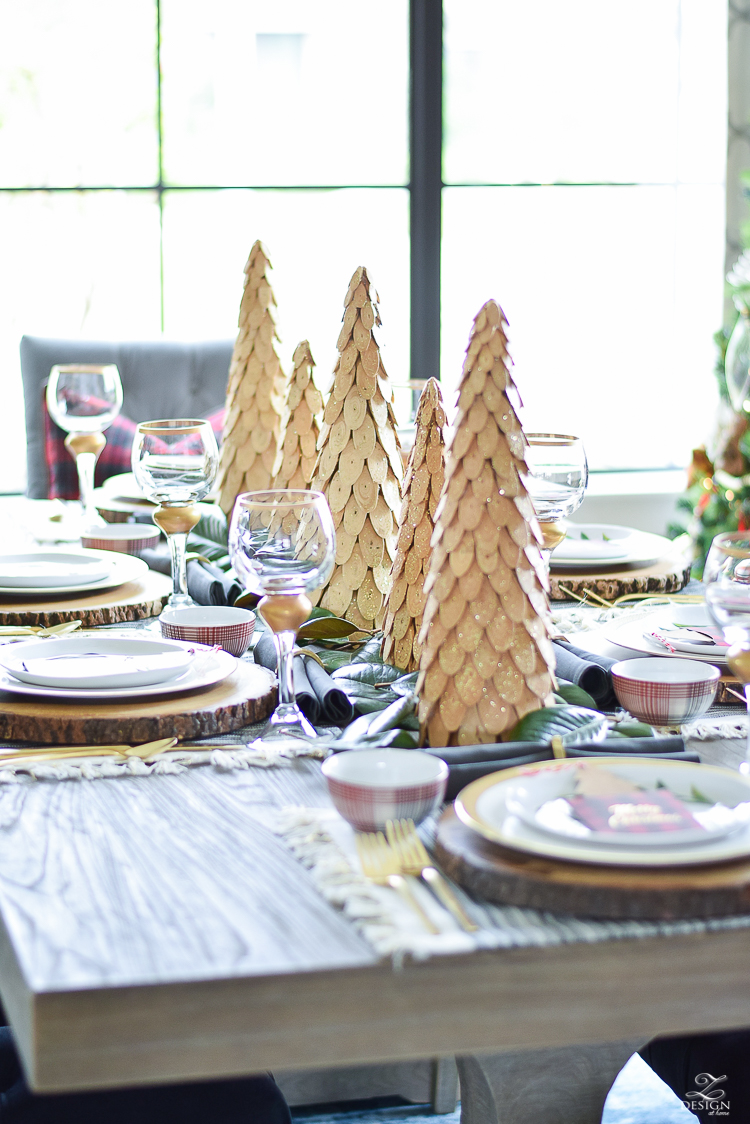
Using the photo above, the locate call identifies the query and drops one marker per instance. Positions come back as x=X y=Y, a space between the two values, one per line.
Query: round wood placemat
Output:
x=247 y=695
x=514 y=878
x=133 y=601
x=670 y=575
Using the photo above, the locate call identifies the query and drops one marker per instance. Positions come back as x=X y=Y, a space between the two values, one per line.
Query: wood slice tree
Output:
x=255 y=392
x=359 y=467
x=487 y=659
x=423 y=483
x=300 y=429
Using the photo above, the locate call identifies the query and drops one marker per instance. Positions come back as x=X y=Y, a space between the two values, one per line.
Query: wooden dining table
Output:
x=157 y=929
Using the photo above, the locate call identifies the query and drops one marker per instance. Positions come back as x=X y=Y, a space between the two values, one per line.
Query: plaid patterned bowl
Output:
x=370 y=786
x=127 y=538
x=665 y=691
x=224 y=625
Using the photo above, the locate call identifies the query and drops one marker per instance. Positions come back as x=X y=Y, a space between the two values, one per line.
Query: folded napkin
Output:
x=587 y=670
x=321 y=701
x=207 y=584
x=467 y=763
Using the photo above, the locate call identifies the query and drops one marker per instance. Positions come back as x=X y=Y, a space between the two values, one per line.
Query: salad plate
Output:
x=118 y=569
x=96 y=663
x=50 y=570
x=593 y=545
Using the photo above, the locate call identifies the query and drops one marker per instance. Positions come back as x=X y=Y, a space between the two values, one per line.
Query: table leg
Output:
x=565 y=1085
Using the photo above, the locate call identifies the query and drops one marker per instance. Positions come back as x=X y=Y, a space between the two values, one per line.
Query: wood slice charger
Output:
x=133 y=601
x=669 y=575
x=247 y=695
x=509 y=877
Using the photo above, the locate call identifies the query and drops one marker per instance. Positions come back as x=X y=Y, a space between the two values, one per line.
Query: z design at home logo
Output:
x=708 y=1096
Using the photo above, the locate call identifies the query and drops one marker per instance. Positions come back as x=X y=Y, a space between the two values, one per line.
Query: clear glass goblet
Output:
x=283 y=545
x=726 y=577
x=84 y=400
x=556 y=481
x=175 y=462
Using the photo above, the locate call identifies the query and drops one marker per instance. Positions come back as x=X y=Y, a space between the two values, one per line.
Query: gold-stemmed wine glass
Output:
x=726 y=577
x=282 y=544
x=84 y=400
x=175 y=462
x=556 y=482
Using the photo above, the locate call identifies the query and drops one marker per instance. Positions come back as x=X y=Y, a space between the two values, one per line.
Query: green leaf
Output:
x=367 y=705
x=697 y=795
x=398 y=739
x=406 y=683
x=214 y=552
x=584 y=536
x=571 y=723
x=359 y=690
x=632 y=729
x=316 y=613
x=212 y=525
x=249 y=600
x=332 y=660
x=574 y=695
x=326 y=628
x=393 y=715
x=369 y=673
x=370 y=651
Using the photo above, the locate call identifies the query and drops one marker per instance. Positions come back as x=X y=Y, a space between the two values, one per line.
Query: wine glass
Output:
x=175 y=462
x=726 y=577
x=84 y=400
x=556 y=482
x=283 y=544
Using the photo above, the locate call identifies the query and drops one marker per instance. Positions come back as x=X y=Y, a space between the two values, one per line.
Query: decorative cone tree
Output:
x=359 y=468
x=295 y=461
x=423 y=484
x=255 y=392
x=486 y=659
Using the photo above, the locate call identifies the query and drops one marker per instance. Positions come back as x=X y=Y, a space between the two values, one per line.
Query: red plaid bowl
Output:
x=370 y=786
x=224 y=625
x=665 y=691
x=127 y=538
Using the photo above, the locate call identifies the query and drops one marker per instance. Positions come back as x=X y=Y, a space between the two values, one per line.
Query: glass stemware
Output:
x=556 y=482
x=84 y=400
x=283 y=544
x=175 y=462
x=726 y=577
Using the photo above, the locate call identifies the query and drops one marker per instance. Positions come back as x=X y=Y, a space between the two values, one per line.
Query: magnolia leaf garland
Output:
x=295 y=461
x=487 y=659
x=423 y=483
x=255 y=391
x=359 y=467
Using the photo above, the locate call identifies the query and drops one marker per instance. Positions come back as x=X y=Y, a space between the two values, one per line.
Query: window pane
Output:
x=285 y=93
x=74 y=264
x=612 y=295
x=584 y=91
x=315 y=239
x=77 y=93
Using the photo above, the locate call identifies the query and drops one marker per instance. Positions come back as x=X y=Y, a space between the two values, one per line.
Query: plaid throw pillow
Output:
x=115 y=457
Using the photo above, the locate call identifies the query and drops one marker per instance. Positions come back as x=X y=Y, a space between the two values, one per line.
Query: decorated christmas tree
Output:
x=295 y=461
x=255 y=391
x=486 y=659
x=359 y=468
x=423 y=483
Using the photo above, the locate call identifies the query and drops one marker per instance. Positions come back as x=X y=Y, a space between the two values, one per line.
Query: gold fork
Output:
x=56 y=630
x=380 y=864
x=71 y=752
x=414 y=859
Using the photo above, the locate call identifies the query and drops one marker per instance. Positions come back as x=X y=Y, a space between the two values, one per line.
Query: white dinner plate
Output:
x=540 y=801
x=204 y=671
x=98 y=663
x=482 y=807
x=122 y=568
x=588 y=545
x=636 y=636
x=48 y=569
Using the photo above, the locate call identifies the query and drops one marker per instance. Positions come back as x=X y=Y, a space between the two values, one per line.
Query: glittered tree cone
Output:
x=295 y=460
x=359 y=467
x=255 y=392
x=486 y=659
x=423 y=483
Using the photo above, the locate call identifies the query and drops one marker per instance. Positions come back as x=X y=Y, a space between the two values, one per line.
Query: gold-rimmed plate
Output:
x=483 y=807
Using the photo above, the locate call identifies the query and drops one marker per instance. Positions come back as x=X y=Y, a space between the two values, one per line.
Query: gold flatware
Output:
x=380 y=864
x=57 y=630
x=414 y=859
x=146 y=752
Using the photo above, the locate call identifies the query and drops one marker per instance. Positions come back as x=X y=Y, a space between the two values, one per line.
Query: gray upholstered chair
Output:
x=159 y=379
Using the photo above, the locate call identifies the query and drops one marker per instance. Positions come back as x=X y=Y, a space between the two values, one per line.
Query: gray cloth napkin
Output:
x=207 y=584
x=319 y=698
x=587 y=670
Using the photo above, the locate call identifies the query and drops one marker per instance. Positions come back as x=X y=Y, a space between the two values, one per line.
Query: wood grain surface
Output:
x=669 y=575
x=157 y=930
x=514 y=878
x=247 y=695
x=133 y=601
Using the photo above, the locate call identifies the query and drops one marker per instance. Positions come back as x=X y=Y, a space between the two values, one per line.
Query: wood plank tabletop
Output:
x=156 y=929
